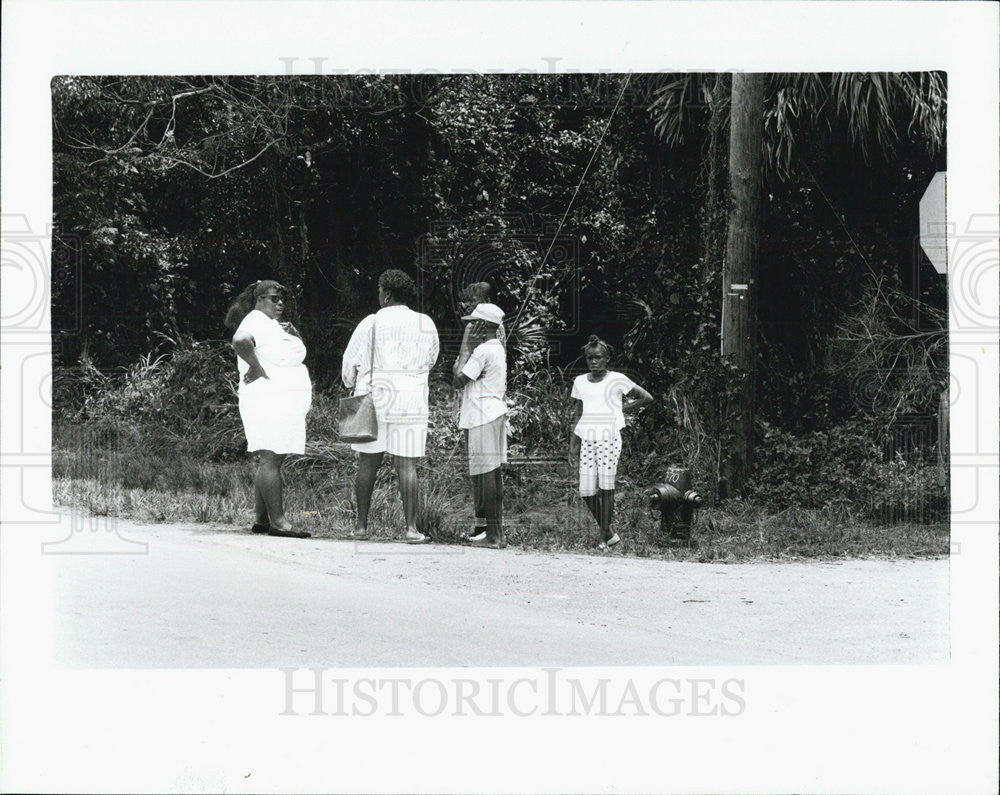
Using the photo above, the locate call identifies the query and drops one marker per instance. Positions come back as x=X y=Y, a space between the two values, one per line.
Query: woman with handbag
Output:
x=274 y=394
x=389 y=358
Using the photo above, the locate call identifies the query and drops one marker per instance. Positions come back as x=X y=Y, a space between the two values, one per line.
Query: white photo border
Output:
x=805 y=728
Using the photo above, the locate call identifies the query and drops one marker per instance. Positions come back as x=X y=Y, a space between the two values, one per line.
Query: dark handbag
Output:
x=357 y=420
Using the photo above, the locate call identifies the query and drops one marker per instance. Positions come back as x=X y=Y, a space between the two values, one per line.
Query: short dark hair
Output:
x=399 y=285
x=479 y=292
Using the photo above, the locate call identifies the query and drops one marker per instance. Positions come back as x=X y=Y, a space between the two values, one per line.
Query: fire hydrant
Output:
x=677 y=503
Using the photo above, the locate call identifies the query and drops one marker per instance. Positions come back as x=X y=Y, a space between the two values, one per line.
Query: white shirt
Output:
x=602 y=416
x=482 y=397
x=406 y=348
x=280 y=354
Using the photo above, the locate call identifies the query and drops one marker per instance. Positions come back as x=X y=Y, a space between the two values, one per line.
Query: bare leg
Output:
x=494 y=506
x=588 y=478
x=488 y=490
x=259 y=506
x=267 y=481
x=409 y=490
x=606 y=497
x=364 y=484
x=479 y=502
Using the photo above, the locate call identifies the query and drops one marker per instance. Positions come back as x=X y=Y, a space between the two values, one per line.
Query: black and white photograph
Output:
x=362 y=414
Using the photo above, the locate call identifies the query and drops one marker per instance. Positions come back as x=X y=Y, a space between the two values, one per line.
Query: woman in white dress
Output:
x=274 y=393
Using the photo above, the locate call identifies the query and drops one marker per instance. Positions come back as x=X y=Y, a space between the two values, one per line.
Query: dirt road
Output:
x=206 y=597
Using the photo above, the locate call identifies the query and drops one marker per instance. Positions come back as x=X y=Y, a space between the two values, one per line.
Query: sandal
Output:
x=486 y=543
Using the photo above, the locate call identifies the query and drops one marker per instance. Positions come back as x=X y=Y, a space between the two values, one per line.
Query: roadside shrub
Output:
x=540 y=412
x=846 y=469
x=185 y=401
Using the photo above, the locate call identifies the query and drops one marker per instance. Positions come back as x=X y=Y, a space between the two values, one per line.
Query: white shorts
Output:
x=405 y=439
x=487 y=446
x=599 y=464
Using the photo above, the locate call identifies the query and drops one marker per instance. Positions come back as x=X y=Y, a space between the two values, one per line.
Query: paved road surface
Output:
x=207 y=597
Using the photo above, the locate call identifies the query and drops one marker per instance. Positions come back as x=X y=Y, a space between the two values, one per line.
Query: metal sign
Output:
x=933 y=229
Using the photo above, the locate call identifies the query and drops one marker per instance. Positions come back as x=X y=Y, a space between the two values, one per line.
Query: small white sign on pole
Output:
x=933 y=227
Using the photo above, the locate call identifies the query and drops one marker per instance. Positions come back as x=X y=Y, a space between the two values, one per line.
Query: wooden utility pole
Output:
x=739 y=280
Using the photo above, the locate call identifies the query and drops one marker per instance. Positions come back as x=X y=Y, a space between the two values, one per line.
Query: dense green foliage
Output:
x=173 y=193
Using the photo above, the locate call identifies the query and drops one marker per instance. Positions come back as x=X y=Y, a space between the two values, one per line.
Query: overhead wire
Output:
x=569 y=206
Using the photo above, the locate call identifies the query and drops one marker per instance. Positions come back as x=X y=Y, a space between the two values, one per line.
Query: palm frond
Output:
x=870 y=105
x=676 y=103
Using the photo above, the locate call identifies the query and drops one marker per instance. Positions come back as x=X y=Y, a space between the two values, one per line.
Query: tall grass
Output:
x=541 y=512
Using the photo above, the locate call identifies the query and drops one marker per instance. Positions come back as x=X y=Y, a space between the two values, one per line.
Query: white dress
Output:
x=274 y=409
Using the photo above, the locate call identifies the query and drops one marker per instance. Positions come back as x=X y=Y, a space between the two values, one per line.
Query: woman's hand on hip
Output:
x=255 y=372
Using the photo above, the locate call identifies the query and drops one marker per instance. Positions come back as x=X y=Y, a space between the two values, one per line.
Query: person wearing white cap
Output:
x=482 y=377
x=473 y=295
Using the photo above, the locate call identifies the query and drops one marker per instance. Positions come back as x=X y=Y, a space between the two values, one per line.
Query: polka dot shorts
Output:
x=598 y=464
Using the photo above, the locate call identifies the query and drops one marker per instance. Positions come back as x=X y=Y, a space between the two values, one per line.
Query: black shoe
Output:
x=260 y=529
x=273 y=531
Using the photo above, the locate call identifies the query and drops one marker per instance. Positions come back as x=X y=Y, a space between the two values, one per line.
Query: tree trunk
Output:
x=713 y=220
x=739 y=343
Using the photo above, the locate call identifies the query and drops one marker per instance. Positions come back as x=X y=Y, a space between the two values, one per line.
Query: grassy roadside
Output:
x=541 y=509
